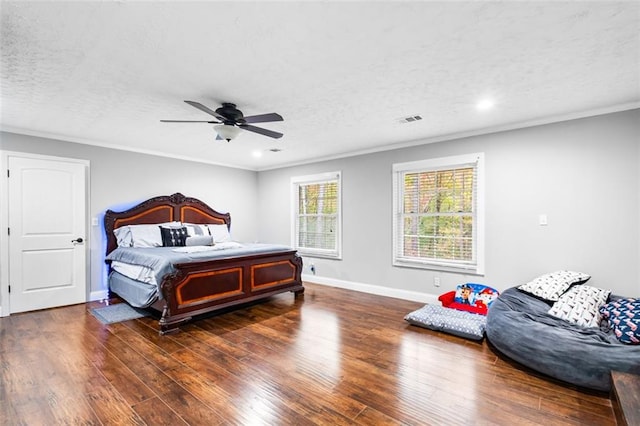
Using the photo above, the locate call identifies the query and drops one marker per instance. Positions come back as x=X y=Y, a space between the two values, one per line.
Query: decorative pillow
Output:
x=452 y=321
x=623 y=316
x=194 y=229
x=580 y=305
x=173 y=237
x=199 y=240
x=551 y=286
x=220 y=233
x=476 y=298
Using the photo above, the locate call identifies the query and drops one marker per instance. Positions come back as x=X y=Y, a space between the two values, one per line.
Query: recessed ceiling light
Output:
x=484 y=105
x=257 y=154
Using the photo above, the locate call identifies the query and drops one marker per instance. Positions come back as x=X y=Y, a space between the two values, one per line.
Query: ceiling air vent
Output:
x=410 y=119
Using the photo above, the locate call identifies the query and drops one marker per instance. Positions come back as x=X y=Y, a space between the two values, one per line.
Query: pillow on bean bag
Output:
x=580 y=305
x=623 y=316
x=549 y=287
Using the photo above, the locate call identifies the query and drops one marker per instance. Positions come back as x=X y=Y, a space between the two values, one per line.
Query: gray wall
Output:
x=120 y=179
x=583 y=174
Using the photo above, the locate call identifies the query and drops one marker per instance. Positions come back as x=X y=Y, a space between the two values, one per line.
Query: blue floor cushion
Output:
x=460 y=323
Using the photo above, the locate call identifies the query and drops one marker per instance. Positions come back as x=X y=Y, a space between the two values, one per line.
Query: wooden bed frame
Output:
x=203 y=287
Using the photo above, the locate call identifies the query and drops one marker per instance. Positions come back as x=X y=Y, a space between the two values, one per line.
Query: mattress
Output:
x=136 y=293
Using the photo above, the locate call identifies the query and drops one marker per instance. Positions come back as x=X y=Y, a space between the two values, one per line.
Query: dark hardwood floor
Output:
x=331 y=357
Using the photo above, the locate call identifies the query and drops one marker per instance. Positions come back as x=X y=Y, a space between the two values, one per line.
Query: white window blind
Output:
x=438 y=215
x=316 y=211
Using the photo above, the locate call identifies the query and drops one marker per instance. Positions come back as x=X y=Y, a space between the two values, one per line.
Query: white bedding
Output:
x=135 y=272
x=217 y=246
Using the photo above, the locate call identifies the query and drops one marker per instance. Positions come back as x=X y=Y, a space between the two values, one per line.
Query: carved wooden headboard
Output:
x=166 y=208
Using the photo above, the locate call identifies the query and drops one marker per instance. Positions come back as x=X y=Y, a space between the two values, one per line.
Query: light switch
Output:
x=94 y=221
x=542 y=220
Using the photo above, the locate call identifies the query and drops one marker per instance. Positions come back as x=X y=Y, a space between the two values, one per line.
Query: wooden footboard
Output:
x=204 y=287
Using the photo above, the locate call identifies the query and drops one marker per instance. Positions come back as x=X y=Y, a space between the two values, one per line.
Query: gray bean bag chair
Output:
x=519 y=326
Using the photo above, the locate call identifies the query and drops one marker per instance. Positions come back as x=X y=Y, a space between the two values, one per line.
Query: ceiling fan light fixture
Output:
x=231 y=121
x=227 y=131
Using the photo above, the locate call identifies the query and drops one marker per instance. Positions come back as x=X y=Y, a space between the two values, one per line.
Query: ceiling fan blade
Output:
x=263 y=118
x=189 y=121
x=261 y=131
x=205 y=109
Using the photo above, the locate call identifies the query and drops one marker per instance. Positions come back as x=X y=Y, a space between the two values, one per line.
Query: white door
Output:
x=47 y=232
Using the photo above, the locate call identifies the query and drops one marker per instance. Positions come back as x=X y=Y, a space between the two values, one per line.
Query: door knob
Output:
x=78 y=240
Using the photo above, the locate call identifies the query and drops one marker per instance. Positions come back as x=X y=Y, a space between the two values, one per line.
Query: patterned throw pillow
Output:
x=173 y=237
x=551 y=286
x=580 y=305
x=623 y=316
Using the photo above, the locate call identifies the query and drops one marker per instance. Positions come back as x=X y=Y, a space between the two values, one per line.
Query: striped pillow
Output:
x=551 y=286
x=581 y=305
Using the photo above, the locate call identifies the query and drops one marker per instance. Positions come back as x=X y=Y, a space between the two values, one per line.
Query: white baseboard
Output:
x=98 y=295
x=94 y=295
x=373 y=289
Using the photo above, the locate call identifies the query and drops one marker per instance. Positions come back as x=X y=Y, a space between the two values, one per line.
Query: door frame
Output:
x=4 y=221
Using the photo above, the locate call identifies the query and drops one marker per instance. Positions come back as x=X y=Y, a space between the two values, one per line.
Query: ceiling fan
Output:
x=231 y=121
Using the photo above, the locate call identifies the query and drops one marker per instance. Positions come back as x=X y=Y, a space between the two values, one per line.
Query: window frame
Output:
x=475 y=160
x=296 y=182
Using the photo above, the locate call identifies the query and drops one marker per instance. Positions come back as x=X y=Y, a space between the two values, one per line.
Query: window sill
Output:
x=471 y=270
x=319 y=255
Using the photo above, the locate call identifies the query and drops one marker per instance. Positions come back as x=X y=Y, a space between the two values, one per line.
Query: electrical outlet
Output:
x=436 y=281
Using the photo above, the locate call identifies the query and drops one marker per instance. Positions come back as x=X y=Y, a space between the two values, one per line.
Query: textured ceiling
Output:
x=341 y=74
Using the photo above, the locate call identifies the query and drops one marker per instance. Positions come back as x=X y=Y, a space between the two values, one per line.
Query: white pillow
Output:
x=199 y=240
x=220 y=233
x=550 y=286
x=123 y=236
x=194 y=229
x=146 y=235
x=173 y=224
x=580 y=305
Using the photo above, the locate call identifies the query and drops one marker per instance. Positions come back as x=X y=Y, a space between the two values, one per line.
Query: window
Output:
x=439 y=214
x=317 y=215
